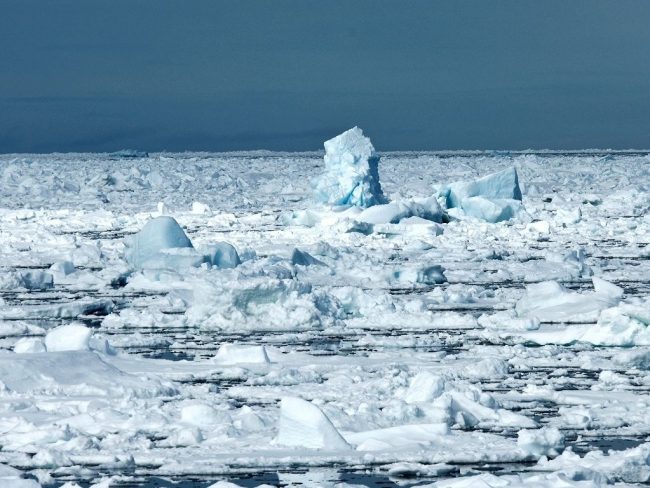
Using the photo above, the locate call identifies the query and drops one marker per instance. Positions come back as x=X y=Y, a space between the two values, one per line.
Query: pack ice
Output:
x=259 y=337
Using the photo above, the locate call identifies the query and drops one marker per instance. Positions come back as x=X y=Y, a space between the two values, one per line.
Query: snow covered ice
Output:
x=202 y=318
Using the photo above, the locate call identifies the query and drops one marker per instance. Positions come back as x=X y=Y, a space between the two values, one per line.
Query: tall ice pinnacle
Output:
x=351 y=172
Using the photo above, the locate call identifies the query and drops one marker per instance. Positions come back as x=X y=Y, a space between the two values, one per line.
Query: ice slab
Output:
x=392 y=213
x=303 y=258
x=351 y=174
x=303 y=424
x=401 y=436
x=27 y=345
x=72 y=373
x=237 y=354
x=490 y=210
x=549 y=301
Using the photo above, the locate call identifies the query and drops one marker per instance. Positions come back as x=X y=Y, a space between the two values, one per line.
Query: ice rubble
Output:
x=351 y=174
x=616 y=323
x=303 y=424
x=30 y=280
x=493 y=198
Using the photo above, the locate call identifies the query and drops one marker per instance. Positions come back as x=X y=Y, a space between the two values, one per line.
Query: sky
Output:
x=91 y=75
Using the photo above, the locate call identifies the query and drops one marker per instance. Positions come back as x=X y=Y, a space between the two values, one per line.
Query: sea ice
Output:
x=157 y=235
x=351 y=174
x=303 y=424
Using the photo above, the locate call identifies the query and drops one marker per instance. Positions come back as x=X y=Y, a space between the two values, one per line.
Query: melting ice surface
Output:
x=198 y=319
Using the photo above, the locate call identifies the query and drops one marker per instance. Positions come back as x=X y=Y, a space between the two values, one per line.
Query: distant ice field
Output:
x=288 y=341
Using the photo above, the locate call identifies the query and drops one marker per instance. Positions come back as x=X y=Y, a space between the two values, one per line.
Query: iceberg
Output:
x=303 y=424
x=493 y=198
x=157 y=235
x=351 y=172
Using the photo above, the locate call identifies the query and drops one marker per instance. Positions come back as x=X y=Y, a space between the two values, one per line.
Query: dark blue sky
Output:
x=92 y=75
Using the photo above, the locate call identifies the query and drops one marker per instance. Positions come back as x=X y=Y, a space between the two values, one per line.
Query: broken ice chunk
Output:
x=490 y=210
x=303 y=424
x=157 y=235
x=237 y=354
x=302 y=258
x=223 y=255
x=72 y=337
x=493 y=198
x=503 y=185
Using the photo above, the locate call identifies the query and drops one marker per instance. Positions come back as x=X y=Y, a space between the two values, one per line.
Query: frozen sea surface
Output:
x=487 y=379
